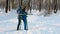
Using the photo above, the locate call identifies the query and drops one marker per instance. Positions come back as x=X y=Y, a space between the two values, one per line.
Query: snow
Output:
x=37 y=24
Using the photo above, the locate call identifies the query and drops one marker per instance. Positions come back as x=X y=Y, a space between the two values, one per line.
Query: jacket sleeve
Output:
x=17 y=11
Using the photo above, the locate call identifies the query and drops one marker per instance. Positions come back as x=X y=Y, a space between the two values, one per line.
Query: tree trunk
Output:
x=20 y=2
x=12 y=3
x=9 y=4
x=6 y=6
x=30 y=5
x=39 y=5
x=49 y=7
x=55 y=6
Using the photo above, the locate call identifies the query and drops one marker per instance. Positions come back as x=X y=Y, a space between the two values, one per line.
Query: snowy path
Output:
x=36 y=24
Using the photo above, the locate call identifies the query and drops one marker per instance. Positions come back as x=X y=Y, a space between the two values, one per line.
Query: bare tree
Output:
x=39 y=5
x=28 y=5
x=59 y=4
x=49 y=6
x=9 y=5
x=55 y=6
x=32 y=4
x=6 y=6
x=20 y=2
x=12 y=3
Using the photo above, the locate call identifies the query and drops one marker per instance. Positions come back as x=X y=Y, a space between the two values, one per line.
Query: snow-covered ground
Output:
x=36 y=24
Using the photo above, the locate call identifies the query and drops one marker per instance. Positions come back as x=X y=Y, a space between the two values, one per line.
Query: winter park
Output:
x=29 y=16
